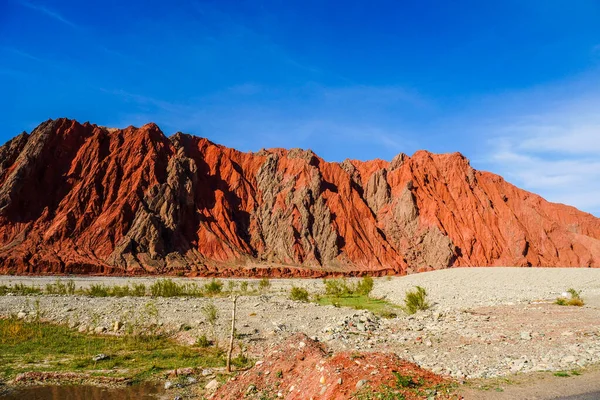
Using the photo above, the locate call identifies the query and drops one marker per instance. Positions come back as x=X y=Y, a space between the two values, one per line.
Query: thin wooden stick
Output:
x=232 y=335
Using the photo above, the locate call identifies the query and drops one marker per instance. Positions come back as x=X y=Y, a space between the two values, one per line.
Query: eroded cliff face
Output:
x=86 y=199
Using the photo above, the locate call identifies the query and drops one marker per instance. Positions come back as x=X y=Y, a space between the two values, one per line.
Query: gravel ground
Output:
x=485 y=322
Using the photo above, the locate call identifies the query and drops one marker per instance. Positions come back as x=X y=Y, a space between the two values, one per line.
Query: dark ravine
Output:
x=84 y=199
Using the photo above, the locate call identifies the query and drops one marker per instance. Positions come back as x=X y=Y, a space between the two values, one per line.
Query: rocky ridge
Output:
x=80 y=198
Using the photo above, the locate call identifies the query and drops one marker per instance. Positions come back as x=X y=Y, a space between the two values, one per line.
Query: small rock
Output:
x=525 y=335
x=251 y=389
x=100 y=329
x=168 y=385
x=117 y=325
x=212 y=385
x=100 y=357
x=191 y=380
x=322 y=380
x=207 y=372
x=361 y=383
x=21 y=314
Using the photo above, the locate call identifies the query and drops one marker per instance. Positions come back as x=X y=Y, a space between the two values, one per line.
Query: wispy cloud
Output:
x=550 y=145
x=21 y=53
x=48 y=12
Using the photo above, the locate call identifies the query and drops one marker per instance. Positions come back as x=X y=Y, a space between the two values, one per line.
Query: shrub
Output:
x=211 y=313
x=59 y=287
x=244 y=286
x=415 y=300
x=70 y=286
x=203 y=342
x=231 y=285
x=575 y=299
x=299 y=294
x=264 y=284
x=165 y=288
x=19 y=289
x=365 y=286
x=337 y=287
x=120 y=291
x=98 y=291
x=139 y=289
x=214 y=287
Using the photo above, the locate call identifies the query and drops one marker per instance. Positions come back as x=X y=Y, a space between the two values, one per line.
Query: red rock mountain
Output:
x=87 y=199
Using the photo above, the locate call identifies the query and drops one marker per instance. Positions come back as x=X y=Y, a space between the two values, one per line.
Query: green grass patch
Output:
x=562 y=374
x=34 y=346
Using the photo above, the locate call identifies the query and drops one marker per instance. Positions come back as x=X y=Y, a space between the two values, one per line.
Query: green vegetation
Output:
x=214 y=287
x=574 y=300
x=403 y=387
x=19 y=289
x=299 y=294
x=59 y=287
x=341 y=293
x=211 y=314
x=365 y=286
x=415 y=300
x=170 y=288
x=35 y=346
x=341 y=287
x=264 y=284
x=566 y=374
x=160 y=288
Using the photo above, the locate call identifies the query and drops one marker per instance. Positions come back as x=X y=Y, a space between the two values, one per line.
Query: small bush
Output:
x=231 y=285
x=165 y=288
x=415 y=300
x=244 y=287
x=365 y=286
x=214 y=287
x=139 y=289
x=404 y=381
x=575 y=299
x=264 y=284
x=120 y=291
x=337 y=287
x=98 y=291
x=203 y=342
x=299 y=294
x=70 y=286
x=59 y=287
x=19 y=289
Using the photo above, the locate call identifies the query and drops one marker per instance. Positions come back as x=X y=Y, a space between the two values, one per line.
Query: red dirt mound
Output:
x=300 y=369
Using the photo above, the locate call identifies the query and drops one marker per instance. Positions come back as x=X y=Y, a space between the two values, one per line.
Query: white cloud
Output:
x=48 y=12
x=554 y=149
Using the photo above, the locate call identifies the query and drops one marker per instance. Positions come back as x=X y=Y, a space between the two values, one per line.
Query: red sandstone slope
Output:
x=85 y=199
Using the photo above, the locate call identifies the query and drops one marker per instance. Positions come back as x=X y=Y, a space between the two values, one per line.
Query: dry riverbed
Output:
x=484 y=323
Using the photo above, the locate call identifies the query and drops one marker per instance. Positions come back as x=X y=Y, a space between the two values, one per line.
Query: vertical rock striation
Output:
x=80 y=198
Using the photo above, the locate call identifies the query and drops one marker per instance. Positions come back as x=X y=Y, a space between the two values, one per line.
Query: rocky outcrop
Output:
x=80 y=198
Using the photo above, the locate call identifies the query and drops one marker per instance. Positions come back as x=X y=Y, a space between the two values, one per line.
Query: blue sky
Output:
x=513 y=85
